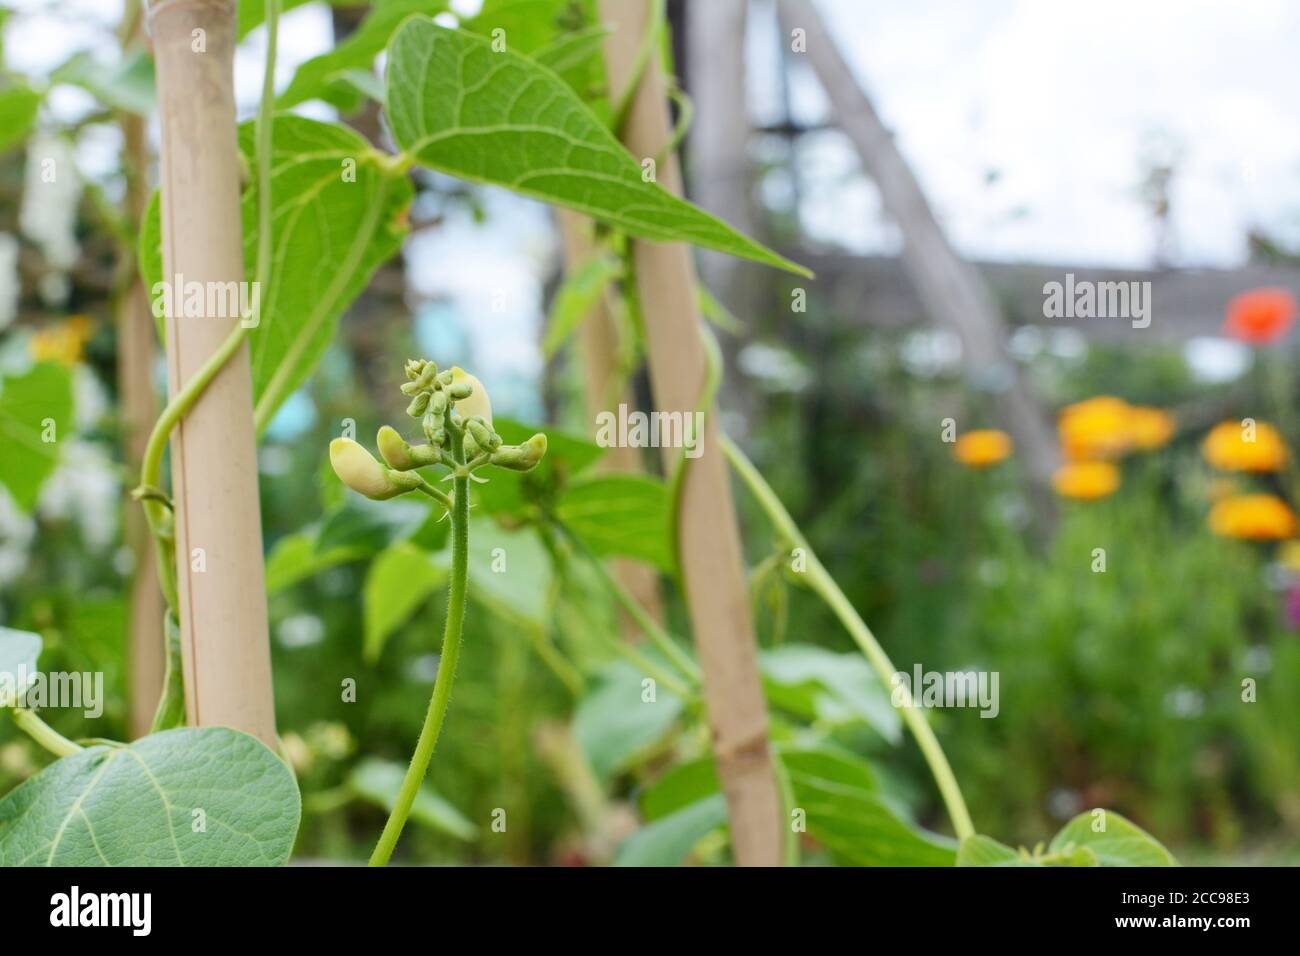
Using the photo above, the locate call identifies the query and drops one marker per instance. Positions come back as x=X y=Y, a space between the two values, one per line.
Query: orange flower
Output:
x=1096 y=428
x=1234 y=446
x=1149 y=428
x=1086 y=480
x=1260 y=316
x=1253 y=517
x=982 y=448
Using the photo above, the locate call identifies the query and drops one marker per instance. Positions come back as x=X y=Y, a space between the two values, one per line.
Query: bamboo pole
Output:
x=709 y=541
x=598 y=345
x=135 y=351
x=220 y=579
x=139 y=408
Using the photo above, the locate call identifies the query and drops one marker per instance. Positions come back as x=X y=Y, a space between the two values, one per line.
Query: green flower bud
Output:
x=414 y=367
x=438 y=406
x=419 y=405
x=521 y=457
x=483 y=436
x=395 y=450
x=358 y=469
x=470 y=446
x=460 y=391
x=428 y=376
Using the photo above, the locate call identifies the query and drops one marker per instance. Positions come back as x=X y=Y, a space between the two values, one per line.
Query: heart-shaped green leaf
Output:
x=207 y=796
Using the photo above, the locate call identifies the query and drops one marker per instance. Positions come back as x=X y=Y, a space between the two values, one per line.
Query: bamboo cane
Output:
x=597 y=343
x=709 y=541
x=222 y=595
x=135 y=351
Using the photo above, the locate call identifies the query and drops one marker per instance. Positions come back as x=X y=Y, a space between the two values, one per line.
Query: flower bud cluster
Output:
x=455 y=415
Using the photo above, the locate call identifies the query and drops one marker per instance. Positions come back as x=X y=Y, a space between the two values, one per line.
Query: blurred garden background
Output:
x=1101 y=512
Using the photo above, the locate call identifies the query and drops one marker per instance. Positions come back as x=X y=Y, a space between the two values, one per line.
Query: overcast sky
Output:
x=1029 y=123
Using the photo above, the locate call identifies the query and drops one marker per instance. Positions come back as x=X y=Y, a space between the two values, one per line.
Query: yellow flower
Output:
x=478 y=402
x=982 y=448
x=1227 y=447
x=1086 y=480
x=63 y=342
x=1149 y=428
x=1096 y=428
x=1253 y=517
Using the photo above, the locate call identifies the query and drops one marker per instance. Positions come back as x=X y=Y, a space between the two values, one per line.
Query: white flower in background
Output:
x=85 y=491
x=10 y=285
x=301 y=630
x=16 y=533
x=48 y=217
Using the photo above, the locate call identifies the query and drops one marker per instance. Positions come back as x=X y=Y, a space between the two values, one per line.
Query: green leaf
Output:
x=19 y=651
x=623 y=515
x=330 y=235
x=18 y=106
x=125 y=85
x=613 y=724
x=1121 y=843
x=500 y=118
x=510 y=571
x=817 y=684
x=27 y=401
x=716 y=313
x=576 y=298
x=575 y=57
x=149 y=257
x=326 y=77
x=509 y=493
x=379 y=782
x=136 y=805
x=668 y=840
x=295 y=558
x=829 y=770
x=977 y=850
x=837 y=793
x=400 y=579
x=367 y=527
x=683 y=785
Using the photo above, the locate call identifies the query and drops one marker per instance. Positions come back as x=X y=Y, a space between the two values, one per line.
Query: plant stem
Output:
x=44 y=734
x=825 y=587
x=442 y=684
x=151 y=468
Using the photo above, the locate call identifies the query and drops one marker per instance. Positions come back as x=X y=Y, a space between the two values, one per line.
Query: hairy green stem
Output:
x=442 y=684
x=44 y=734
x=825 y=587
